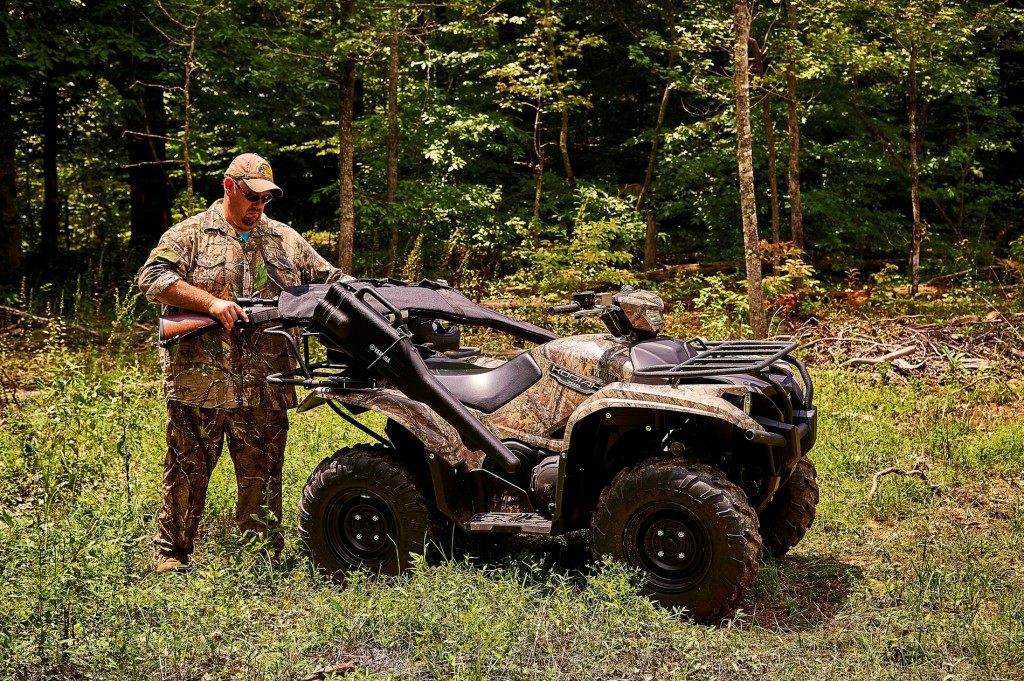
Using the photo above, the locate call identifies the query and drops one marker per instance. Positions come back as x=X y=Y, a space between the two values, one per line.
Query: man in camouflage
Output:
x=215 y=384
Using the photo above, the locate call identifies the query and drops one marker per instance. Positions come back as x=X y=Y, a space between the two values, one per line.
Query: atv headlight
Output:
x=655 y=319
x=643 y=310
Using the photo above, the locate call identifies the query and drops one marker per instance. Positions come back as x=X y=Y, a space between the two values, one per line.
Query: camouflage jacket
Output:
x=226 y=369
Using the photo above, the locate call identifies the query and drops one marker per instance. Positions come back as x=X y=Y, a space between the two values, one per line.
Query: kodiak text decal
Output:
x=574 y=381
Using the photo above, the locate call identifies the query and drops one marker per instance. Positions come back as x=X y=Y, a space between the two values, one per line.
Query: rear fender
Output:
x=462 y=486
x=437 y=435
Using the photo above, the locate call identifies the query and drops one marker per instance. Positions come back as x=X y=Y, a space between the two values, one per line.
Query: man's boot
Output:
x=172 y=562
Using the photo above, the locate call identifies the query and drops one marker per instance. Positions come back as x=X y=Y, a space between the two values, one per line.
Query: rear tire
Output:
x=688 y=528
x=361 y=510
x=789 y=515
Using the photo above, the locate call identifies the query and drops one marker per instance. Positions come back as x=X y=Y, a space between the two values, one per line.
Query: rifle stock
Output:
x=177 y=327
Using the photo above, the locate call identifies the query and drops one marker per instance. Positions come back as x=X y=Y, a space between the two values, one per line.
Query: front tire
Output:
x=789 y=515
x=361 y=510
x=688 y=528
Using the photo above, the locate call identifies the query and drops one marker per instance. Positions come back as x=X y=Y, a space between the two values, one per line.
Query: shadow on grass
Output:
x=566 y=555
x=566 y=552
x=800 y=592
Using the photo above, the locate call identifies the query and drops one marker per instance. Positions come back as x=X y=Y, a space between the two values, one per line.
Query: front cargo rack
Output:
x=723 y=358
x=311 y=375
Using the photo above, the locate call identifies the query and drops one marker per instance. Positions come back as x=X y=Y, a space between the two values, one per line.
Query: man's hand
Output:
x=183 y=295
x=227 y=312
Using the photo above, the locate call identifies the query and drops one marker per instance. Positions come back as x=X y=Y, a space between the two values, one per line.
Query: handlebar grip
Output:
x=564 y=309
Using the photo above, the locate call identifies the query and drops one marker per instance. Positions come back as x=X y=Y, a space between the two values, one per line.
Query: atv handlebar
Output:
x=564 y=309
x=582 y=301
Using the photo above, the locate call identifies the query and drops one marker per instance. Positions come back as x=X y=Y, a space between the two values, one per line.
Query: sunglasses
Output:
x=249 y=196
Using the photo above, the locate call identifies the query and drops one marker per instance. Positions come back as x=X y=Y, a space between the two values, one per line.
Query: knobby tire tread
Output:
x=699 y=485
x=370 y=467
x=785 y=521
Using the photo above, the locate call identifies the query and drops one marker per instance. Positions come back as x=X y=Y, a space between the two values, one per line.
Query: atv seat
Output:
x=486 y=389
x=660 y=354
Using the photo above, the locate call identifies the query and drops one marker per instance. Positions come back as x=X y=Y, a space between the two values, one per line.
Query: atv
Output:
x=684 y=458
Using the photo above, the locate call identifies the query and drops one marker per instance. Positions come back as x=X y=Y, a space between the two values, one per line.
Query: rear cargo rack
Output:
x=722 y=358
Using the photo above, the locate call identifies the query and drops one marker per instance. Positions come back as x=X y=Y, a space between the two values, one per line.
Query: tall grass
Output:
x=925 y=579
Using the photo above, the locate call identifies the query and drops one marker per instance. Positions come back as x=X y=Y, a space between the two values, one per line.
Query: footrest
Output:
x=511 y=523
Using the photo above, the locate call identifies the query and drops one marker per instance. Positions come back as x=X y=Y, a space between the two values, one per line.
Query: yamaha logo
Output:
x=377 y=351
x=574 y=381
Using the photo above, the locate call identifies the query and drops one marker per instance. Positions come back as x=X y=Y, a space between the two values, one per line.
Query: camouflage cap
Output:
x=256 y=173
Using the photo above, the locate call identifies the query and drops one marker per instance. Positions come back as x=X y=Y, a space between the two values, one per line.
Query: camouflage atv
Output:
x=685 y=459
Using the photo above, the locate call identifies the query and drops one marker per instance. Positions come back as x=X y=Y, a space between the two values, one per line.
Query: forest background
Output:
x=536 y=144
x=523 y=150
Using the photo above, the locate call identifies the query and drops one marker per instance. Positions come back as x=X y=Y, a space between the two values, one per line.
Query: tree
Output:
x=650 y=234
x=538 y=79
x=796 y=214
x=392 y=172
x=10 y=221
x=346 y=148
x=744 y=155
x=769 y=133
x=184 y=34
x=926 y=54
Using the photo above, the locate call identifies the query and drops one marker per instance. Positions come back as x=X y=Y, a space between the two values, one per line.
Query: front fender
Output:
x=436 y=434
x=701 y=400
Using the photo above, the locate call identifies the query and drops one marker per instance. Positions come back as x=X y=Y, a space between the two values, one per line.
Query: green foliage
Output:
x=481 y=95
x=596 y=250
x=723 y=307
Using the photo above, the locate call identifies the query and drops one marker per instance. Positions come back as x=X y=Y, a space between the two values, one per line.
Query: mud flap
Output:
x=366 y=335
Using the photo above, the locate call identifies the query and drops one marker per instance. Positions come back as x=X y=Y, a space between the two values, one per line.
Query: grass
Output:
x=923 y=580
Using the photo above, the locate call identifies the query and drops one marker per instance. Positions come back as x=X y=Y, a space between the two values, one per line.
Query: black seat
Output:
x=486 y=389
x=659 y=354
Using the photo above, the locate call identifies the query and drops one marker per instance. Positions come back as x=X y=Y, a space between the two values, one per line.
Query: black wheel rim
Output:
x=360 y=529
x=672 y=544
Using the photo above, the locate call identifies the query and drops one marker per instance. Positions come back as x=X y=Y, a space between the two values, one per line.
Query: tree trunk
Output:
x=537 y=193
x=346 y=167
x=796 y=215
x=744 y=155
x=145 y=132
x=650 y=243
x=915 y=183
x=538 y=150
x=10 y=221
x=392 y=145
x=651 y=235
x=186 y=131
x=50 y=219
x=563 y=133
x=563 y=147
x=769 y=134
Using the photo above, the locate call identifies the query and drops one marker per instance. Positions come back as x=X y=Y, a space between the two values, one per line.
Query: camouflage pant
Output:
x=195 y=437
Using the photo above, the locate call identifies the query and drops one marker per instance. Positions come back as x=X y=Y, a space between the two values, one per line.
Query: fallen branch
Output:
x=904 y=365
x=953 y=275
x=974 y=383
x=902 y=352
x=140 y=333
x=46 y=321
x=916 y=472
x=670 y=272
